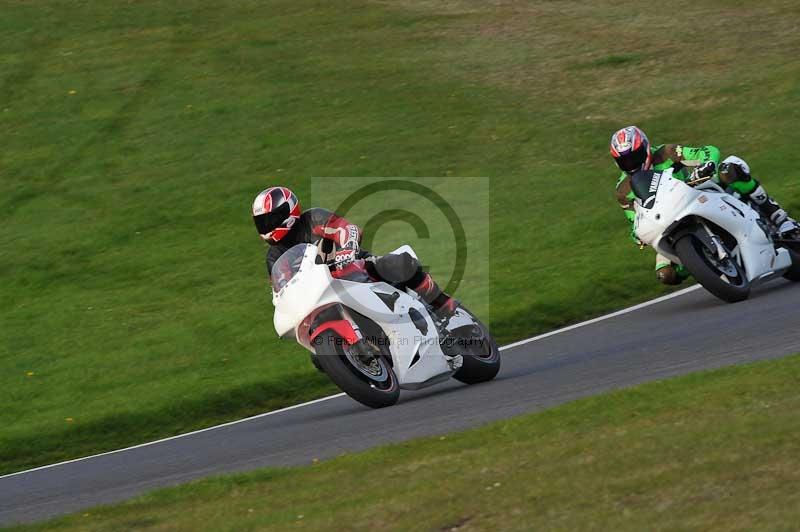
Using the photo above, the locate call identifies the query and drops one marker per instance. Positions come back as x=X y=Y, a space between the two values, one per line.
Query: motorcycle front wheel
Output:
x=726 y=279
x=367 y=378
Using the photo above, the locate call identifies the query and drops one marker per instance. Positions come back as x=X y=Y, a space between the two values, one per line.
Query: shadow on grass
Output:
x=114 y=432
x=614 y=60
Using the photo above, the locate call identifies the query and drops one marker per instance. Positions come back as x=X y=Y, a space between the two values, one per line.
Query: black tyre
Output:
x=368 y=379
x=479 y=351
x=793 y=273
x=725 y=279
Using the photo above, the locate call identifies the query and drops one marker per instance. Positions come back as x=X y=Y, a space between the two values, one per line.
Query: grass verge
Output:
x=708 y=451
x=135 y=134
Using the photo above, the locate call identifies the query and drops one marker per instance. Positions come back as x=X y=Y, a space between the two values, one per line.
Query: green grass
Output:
x=135 y=134
x=709 y=451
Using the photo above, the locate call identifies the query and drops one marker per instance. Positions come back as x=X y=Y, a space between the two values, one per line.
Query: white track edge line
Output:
x=321 y=399
x=229 y=423
x=602 y=318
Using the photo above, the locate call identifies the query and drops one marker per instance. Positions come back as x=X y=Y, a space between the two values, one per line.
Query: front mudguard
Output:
x=343 y=329
x=333 y=317
x=337 y=319
x=690 y=226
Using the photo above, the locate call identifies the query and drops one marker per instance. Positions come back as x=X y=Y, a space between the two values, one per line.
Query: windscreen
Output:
x=645 y=185
x=287 y=266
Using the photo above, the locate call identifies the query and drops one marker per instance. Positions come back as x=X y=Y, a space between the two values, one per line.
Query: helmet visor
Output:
x=633 y=160
x=268 y=222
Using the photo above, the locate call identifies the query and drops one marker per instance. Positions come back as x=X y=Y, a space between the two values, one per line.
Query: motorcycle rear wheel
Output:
x=371 y=382
x=481 y=356
x=793 y=273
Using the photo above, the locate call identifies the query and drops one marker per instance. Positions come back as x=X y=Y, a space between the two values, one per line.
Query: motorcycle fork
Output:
x=716 y=244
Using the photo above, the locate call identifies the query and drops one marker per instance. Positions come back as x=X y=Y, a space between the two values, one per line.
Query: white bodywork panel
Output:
x=675 y=200
x=313 y=288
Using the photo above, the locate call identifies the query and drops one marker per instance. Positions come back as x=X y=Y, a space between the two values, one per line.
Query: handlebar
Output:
x=693 y=180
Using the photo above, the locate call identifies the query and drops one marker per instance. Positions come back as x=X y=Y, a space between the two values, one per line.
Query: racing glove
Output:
x=706 y=169
x=343 y=257
x=351 y=241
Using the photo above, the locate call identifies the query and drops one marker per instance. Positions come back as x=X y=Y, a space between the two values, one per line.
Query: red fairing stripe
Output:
x=343 y=328
x=637 y=140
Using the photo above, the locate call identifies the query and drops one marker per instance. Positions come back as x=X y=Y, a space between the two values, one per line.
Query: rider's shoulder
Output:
x=680 y=152
x=318 y=215
x=317 y=211
x=664 y=152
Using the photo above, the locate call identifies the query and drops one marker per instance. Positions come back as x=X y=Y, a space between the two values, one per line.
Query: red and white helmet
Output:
x=631 y=149
x=275 y=210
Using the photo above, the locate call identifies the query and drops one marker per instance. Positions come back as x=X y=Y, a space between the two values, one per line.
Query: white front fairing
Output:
x=313 y=288
x=675 y=200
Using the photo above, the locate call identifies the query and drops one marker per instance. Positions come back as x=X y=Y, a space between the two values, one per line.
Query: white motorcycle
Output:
x=723 y=242
x=371 y=338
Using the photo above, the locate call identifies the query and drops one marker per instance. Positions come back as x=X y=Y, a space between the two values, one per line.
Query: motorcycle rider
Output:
x=282 y=224
x=632 y=152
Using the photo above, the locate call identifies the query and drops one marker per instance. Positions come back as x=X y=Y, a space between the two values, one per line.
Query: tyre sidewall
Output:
x=705 y=275
x=793 y=273
x=478 y=369
x=330 y=357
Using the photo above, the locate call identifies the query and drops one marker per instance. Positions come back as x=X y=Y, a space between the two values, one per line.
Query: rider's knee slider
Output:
x=668 y=275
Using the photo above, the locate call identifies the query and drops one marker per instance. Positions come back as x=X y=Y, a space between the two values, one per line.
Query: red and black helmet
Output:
x=631 y=149
x=275 y=210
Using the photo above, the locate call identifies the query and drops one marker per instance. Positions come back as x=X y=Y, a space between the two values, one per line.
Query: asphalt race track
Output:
x=687 y=333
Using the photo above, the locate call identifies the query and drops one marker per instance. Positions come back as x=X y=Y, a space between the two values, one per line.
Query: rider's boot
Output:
x=769 y=208
x=443 y=305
